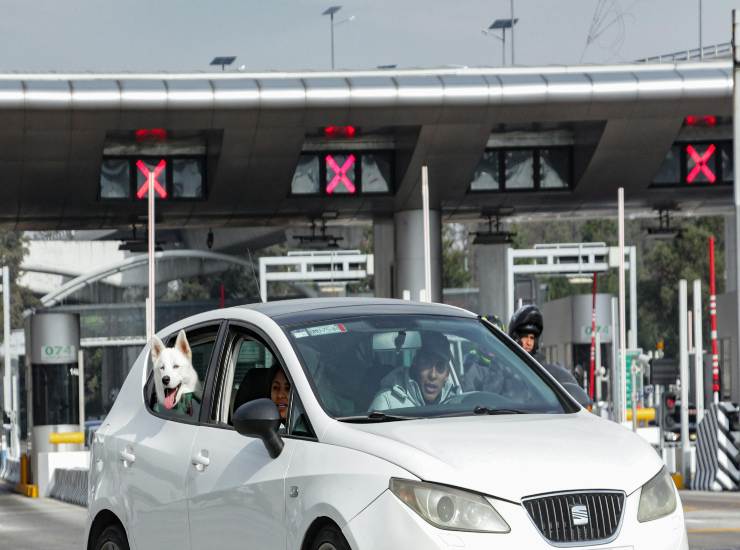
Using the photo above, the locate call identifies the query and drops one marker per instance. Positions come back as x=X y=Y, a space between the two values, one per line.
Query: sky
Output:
x=184 y=35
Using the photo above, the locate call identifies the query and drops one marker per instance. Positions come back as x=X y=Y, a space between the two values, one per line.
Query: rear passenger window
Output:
x=174 y=387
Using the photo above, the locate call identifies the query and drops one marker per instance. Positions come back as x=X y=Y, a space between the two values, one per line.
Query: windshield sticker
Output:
x=326 y=329
x=301 y=333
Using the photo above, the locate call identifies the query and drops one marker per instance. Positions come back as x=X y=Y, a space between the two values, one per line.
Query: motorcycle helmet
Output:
x=526 y=320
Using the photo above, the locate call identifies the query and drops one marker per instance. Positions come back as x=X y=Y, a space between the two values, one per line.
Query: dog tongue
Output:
x=169 y=400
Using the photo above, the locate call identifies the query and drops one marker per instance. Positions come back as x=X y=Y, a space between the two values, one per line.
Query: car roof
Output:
x=287 y=312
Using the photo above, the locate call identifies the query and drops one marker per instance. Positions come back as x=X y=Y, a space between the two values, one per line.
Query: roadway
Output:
x=713 y=521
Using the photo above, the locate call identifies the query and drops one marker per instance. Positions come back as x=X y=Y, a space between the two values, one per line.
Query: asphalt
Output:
x=39 y=523
x=712 y=521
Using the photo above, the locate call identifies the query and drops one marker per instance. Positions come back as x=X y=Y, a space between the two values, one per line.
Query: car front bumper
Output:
x=388 y=523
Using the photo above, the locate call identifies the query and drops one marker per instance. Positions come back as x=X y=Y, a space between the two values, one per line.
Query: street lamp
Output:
x=223 y=61
x=502 y=25
x=330 y=11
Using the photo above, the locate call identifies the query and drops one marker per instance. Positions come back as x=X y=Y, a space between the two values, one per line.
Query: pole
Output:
x=713 y=323
x=331 y=22
x=427 y=243
x=512 y=33
x=701 y=41
x=698 y=353
x=622 y=320
x=6 y=338
x=633 y=298
x=616 y=383
x=684 y=373
x=736 y=142
x=503 y=48
x=592 y=361
x=152 y=288
x=81 y=387
x=598 y=363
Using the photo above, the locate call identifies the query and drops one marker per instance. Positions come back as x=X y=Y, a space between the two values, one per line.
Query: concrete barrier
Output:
x=719 y=455
x=11 y=470
x=47 y=463
x=70 y=485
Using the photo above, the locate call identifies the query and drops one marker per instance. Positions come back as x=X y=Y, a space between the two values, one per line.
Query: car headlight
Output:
x=449 y=508
x=658 y=498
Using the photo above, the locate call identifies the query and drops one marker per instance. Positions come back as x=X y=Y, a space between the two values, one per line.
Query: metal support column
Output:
x=683 y=350
x=736 y=146
x=698 y=353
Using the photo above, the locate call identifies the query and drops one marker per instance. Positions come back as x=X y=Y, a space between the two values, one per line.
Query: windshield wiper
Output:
x=490 y=411
x=376 y=416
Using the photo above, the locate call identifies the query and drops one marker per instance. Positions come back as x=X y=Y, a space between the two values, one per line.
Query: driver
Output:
x=426 y=382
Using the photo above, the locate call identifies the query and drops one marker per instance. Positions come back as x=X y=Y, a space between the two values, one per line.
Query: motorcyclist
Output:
x=426 y=382
x=525 y=328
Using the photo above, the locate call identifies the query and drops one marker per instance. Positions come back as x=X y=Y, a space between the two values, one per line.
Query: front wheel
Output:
x=329 y=538
x=112 y=538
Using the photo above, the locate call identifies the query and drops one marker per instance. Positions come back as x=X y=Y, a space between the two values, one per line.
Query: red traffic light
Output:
x=340 y=131
x=700 y=120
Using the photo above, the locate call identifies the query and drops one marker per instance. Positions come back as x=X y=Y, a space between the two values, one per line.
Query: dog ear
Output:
x=182 y=344
x=156 y=347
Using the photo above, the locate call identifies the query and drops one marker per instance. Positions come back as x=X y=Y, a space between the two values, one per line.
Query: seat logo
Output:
x=579 y=514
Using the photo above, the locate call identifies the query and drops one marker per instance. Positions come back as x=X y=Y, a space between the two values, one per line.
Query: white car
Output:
x=408 y=426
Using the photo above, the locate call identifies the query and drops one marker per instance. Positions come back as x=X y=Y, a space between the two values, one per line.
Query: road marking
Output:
x=714 y=530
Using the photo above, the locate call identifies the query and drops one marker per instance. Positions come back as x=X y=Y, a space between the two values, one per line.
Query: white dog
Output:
x=175 y=379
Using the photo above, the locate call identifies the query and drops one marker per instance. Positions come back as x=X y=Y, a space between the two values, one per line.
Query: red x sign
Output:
x=144 y=189
x=700 y=163
x=340 y=174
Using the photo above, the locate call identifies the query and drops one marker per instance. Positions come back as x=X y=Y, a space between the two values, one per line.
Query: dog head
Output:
x=174 y=374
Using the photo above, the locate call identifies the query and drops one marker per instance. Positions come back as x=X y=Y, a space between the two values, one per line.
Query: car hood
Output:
x=509 y=457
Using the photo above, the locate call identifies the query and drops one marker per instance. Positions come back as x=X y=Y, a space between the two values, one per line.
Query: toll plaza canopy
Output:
x=76 y=150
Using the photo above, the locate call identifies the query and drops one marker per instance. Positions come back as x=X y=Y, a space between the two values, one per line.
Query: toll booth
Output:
x=52 y=343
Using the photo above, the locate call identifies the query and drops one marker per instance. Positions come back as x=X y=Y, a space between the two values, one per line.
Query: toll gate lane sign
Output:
x=700 y=163
x=340 y=178
x=146 y=172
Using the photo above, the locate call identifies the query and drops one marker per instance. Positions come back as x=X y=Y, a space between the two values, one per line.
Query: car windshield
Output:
x=394 y=367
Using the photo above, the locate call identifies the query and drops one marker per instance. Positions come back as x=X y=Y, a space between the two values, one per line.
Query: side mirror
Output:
x=260 y=418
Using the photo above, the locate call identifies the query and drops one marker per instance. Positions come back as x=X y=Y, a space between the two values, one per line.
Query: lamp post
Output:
x=502 y=25
x=701 y=40
x=330 y=11
x=512 y=32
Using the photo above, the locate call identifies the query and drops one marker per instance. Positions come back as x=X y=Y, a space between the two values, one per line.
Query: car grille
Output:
x=568 y=518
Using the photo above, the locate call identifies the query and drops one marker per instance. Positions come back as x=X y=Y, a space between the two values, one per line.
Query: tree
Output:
x=13 y=249
x=455 y=272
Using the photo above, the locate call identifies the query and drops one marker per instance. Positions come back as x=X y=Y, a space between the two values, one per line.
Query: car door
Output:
x=236 y=491
x=154 y=458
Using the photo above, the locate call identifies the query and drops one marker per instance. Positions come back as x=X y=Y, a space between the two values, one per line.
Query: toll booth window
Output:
x=519 y=169
x=487 y=174
x=55 y=394
x=115 y=179
x=376 y=173
x=341 y=174
x=306 y=177
x=555 y=168
x=670 y=170
x=187 y=179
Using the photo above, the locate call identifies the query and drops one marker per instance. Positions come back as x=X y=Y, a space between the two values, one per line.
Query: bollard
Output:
x=57 y=438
